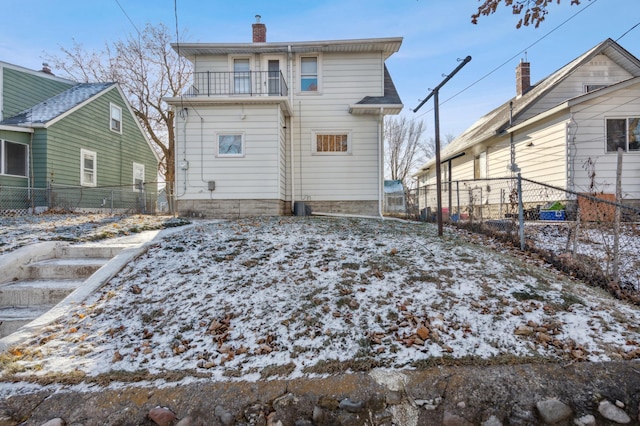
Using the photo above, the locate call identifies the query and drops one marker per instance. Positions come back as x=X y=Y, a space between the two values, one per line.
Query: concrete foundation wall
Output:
x=229 y=209
x=364 y=208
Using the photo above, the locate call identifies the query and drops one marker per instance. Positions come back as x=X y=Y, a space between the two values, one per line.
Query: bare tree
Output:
x=148 y=70
x=533 y=12
x=404 y=147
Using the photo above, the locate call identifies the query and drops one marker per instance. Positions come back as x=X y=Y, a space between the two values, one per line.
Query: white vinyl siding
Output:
x=345 y=79
x=252 y=176
x=588 y=129
x=601 y=70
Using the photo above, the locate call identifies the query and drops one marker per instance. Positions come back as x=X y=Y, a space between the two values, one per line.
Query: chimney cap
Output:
x=258 y=18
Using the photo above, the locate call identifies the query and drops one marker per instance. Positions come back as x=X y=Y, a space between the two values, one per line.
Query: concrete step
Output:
x=88 y=251
x=37 y=292
x=67 y=268
x=11 y=319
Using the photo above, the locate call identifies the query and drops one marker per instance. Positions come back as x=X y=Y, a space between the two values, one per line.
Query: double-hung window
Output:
x=623 y=133
x=138 y=176
x=88 y=168
x=116 y=118
x=331 y=142
x=230 y=145
x=309 y=73
x=15 y=158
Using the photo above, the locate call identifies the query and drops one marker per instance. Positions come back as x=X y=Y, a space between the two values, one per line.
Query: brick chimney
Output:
x=46 y=69
x=523 y=78
x=259 y=31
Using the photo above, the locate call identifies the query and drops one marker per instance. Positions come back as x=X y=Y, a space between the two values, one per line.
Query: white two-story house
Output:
x=273 y=128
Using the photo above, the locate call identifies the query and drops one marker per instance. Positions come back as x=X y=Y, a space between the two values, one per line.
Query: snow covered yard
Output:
x=288 y=296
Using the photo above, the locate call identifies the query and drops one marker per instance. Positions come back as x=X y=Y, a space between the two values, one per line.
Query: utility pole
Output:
x=434 y=93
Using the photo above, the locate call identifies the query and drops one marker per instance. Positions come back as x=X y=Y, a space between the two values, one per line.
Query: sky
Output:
x=437 y=34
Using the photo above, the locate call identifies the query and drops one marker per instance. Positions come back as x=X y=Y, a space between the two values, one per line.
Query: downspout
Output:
x=380 y=162
x=31 y=176
x=290 y=130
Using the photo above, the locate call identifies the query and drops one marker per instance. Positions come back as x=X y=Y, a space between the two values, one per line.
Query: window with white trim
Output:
x=15 y=158
x=138 y=176
x=116 y=118
x=230 y=145
x=88 y=168
x=309 y=73
x=623 y=133
x=480 y=166
x=331 y=143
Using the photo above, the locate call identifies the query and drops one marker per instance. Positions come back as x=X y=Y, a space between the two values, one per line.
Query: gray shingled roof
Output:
x=55 y=106
x=390 y=97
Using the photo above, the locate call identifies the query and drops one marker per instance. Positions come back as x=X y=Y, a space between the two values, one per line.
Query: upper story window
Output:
x=138 y=176
x=116 y=118
x=231 y=145
x=241 y=75
x=331 y=143
x=88 y=168
x=309 y=73
x=15 y=157
x=623 y=133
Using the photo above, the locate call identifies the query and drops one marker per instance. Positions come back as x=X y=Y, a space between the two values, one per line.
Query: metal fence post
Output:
x=520 y=213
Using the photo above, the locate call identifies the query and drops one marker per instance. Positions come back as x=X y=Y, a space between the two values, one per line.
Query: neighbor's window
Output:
x=480 y=166
x=15 y=158
x=138 y=176
x=88 y=167
x=623 y=133
x=309 y=73
x=591 y=87
x=116 y=118
x=331 y=143
x=230 y=145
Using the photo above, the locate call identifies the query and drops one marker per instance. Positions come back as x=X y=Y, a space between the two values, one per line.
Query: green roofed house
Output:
x=70 y=145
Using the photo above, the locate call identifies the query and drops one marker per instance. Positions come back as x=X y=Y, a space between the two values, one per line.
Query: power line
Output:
x=514 y=56
x=628 y=31
x=125 y=14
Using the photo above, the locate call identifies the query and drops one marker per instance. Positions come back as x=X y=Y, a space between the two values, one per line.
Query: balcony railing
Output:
x=245 y=83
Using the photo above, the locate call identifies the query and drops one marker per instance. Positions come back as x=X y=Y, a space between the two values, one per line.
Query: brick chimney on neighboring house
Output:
x=46 y=69
x=523 y=78
x=259 y=31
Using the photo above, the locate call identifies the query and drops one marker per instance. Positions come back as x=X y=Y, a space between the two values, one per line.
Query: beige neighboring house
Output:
x=552 y=130
x=272 y=128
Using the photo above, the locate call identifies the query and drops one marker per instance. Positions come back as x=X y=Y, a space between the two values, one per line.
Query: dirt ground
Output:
x=452 y=395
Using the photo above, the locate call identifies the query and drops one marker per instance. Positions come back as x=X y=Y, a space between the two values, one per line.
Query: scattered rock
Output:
x=225 y=417
x=162 y=416
x=55 y=422
x=351 y=406
x=450 y=419
x=610 y=412
x=187 y=421
x=492 y=421
x=587 y=420
x=553 y=411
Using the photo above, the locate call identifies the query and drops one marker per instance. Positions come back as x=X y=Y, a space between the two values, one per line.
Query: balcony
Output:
x=243 y=84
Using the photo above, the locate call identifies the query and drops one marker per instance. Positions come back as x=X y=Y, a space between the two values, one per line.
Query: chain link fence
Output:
x=16 y=201
x=588 y=235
